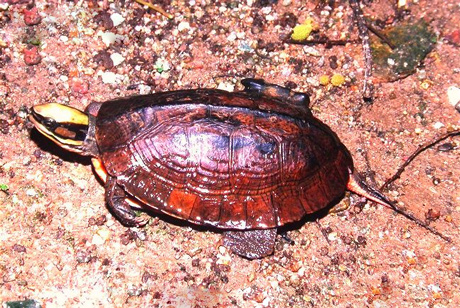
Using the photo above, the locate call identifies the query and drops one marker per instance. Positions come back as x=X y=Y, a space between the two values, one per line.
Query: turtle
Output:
x=247 y=162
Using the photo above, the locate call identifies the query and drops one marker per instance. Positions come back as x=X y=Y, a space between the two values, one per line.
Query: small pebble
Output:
x=453 y=93
x=333 y=62
x=117 y=19
x=37 y=153
x=109 y=77
x=446 y=147
x=79 y=86
x=401 y=3
x=162 y=65
x=117 y=58
x=231 y=37
x=32 y=56
x=311 y=51
x=31 y=17
x=183 y=25
x=432 y=215
x=294 y=280
x=31 y=192
x=108 y=38
x=226 y=86
x=438 y=125
x=83 y=256
x=332 y=236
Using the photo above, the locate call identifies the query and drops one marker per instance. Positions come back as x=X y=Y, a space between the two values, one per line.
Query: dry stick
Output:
x=398 y=174
x=416 y=153
x=381 y=36
x=364 y=36
x=323 y=41
x=418 y=221
x=155 y=8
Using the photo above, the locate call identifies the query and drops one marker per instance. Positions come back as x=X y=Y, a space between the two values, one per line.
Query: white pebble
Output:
x=226 y=86
x=108 y=38
x=183 y=25
x=434 y=288
x=311 y=51
x=117 y=58
x=222 y=249
x=101 y=236
x=231 y=37
x=108 y=77
x=438 y=125
x=117 y=19
x=453 y=93
x=332 y=236
x=31 y=192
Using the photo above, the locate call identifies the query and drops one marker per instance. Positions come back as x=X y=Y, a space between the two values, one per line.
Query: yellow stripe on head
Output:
x=61 y=113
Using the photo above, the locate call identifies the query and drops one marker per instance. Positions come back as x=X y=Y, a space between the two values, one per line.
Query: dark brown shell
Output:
x=229 y=160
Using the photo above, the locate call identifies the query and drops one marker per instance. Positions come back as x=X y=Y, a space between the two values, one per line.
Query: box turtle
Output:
x=246 y=162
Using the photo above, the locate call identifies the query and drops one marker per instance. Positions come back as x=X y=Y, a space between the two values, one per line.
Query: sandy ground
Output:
x=62 y=248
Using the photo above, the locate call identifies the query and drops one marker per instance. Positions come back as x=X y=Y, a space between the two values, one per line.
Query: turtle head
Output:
x=68 y=127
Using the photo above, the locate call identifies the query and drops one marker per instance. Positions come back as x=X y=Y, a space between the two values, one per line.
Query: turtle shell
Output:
x=230 y=160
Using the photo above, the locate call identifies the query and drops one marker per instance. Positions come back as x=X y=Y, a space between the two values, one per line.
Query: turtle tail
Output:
x=358 y=186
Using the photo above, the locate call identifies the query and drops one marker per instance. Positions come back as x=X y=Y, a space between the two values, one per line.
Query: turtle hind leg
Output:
x=251 y=244
x=116 y=197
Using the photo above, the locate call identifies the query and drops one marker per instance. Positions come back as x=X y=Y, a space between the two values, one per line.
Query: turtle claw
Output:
x=115 y=197
x=141 y=220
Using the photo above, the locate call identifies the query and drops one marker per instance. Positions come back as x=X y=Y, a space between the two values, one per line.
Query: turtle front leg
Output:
x=251 y=244
x=116 y=197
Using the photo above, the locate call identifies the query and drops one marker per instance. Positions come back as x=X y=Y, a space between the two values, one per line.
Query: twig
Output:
x=381 y=36
x=324 y=41
x=416 y=153
x=155 y=8
x=419 y=222
x=364 y=36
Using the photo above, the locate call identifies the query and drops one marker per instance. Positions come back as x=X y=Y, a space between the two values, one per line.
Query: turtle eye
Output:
x=49 y=123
